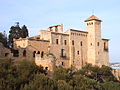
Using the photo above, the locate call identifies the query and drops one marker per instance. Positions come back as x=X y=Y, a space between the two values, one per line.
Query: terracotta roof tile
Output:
x=93 y=17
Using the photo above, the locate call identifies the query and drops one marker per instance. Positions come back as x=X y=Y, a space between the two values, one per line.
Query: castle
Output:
x=53 y=47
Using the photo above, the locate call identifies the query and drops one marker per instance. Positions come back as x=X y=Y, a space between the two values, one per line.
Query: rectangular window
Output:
x=78 y=52
x=56 y=41
x=65 y=42
x=105 y=46
x=98 y=44
x=72 y=42
x=62 y=52
x=62 y=63
x=81 y=43
x=15 y=53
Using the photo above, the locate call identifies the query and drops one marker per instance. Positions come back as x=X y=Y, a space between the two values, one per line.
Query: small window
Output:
x=81 y=43
x=104 y=45
x=91 y=44
x=72 y=42
x=38 y=52
x=62 y=63
x=42 y=54
x=15 y=53
x=56 y=41
x=98 y=53
x=65 y=42
x=24 y=53
x=62 y=52
x=46 y=68
x=98 y=44
x=78 y=52
x=6 y=54
x=34 y=53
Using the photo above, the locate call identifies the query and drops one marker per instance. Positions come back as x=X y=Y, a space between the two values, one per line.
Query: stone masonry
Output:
x=70 y=48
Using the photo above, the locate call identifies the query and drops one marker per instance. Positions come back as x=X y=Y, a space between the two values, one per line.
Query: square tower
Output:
x=93 y=26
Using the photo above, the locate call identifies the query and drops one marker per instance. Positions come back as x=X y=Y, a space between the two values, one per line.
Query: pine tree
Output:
x=16 y=32
x=24 y=31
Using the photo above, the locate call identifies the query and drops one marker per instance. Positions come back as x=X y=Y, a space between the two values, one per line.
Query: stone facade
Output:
x=4 y=52
x=70 y=48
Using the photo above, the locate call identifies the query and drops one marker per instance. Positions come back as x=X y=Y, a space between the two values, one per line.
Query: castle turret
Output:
x=93 y=26
x=56 y=28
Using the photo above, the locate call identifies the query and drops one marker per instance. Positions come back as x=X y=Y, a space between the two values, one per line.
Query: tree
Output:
x=110 y=86
x=80 y=82
x=40 y=82
x=101 y=74
x=12 y=77
x=61 y=73
x=63 y=85
x=16 y=32
x=7 y=74
x=24 y=31
x=3 y=39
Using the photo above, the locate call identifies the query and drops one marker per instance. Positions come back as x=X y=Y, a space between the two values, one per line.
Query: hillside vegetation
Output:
x=27 y=76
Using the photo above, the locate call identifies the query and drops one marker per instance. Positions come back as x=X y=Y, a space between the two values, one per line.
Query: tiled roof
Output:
x=93 y=17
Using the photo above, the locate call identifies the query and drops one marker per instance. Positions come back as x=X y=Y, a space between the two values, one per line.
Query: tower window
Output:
x=72 y=42
x=98 y=44
x=78 y=52
x=105 y=46
x=65 y=42
x=98 y=52
x=91 y=44
x=38 y=52
x=56 y=41
x=81 y=43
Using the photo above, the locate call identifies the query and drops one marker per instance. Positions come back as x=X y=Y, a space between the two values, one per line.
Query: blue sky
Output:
x=40 y=14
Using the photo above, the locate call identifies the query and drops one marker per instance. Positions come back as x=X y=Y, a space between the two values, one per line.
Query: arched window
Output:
x=42 y=54
x=34 y=53
x=24 y=53
x=38 y=52
x=46 y=68
x=65 y=42
x=91 y=23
